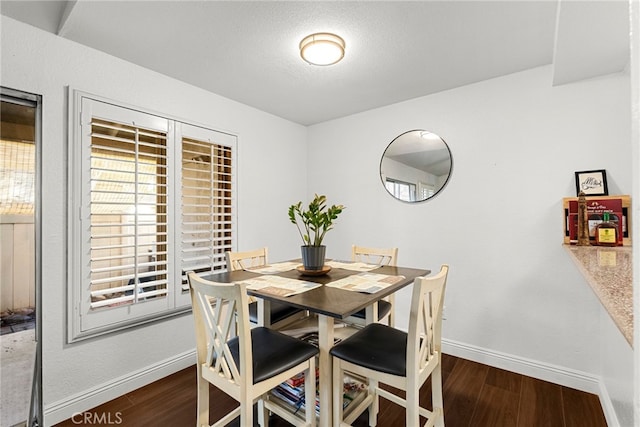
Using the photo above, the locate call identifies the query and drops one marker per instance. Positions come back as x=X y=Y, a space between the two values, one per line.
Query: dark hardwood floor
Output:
x=475 y=395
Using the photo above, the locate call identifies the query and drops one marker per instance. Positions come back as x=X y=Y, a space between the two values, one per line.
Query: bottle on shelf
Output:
x=606 y=232
x=593 y=221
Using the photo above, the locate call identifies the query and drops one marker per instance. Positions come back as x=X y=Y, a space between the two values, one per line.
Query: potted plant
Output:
x=316 y=220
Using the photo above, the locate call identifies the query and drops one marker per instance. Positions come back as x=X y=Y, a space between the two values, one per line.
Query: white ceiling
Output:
x=396 y=50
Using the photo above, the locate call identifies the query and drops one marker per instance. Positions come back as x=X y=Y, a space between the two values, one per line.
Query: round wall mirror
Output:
x=416 y=166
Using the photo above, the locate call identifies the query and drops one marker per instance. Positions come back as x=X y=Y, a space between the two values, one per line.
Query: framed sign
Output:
x=592 y=183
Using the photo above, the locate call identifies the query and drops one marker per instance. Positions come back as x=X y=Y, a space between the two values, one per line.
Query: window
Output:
x=152 y=199
x=401 y=190
x=17 y=159
x=425 y=190
x=207 y=196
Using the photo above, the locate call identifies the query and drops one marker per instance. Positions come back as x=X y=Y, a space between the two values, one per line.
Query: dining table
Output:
x=330 y=296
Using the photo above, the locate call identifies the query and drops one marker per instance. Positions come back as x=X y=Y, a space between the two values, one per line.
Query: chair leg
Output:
x=413 y=406
x=263 y=414
x=436 y=395
x=203 y=400
x=375 y=403
x=338 y=390
x=246 y=413
x=310 y=393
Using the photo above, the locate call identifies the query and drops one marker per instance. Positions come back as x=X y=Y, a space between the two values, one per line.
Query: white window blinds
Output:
x=206 y=205
x=152 y=198
x=128 y=214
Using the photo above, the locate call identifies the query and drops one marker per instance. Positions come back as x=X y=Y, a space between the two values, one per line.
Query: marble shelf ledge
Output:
x=609 y=273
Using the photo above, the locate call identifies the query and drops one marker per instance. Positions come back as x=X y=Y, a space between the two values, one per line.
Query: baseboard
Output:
x=64 y=409
x=532 y=368
x=607 y=406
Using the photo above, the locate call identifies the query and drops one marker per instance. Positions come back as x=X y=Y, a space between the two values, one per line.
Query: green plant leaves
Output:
x=316 y=219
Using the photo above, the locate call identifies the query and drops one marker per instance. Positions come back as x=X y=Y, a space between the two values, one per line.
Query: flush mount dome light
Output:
x=322 y=49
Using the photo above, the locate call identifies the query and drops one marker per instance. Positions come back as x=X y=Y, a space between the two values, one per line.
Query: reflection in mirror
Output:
x=416 y=166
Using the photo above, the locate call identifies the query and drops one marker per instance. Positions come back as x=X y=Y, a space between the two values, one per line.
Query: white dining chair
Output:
x=280 y=314
x=247 y=260
x=375 y=256
x=246 y=366
x=403 y=360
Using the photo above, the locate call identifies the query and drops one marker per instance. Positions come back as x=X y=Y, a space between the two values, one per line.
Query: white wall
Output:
x=79 y=376
x=514 y=296
x=616 y=371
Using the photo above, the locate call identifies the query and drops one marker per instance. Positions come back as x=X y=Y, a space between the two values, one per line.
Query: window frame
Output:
x=81 y=322
x=396 y=184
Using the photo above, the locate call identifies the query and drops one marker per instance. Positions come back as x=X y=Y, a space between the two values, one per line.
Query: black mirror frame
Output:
x=439 y=189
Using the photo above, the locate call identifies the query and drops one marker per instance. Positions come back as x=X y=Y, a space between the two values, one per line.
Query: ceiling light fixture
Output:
x=322 y=49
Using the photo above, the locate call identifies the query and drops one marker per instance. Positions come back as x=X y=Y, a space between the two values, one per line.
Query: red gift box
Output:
x=617 y=206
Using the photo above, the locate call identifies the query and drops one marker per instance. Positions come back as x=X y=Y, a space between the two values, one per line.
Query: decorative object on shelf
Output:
x=606 y=232
x=317 y=219
x=618 y=208
x=583 y=221
x=592 y=183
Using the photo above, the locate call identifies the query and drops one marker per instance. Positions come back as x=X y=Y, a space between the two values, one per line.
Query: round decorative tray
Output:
x=325 y=269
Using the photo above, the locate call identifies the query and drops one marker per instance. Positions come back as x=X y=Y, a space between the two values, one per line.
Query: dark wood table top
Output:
x=334 y=302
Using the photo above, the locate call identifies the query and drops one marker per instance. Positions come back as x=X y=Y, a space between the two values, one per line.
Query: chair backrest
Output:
x=425 y=322
x=378 y=256
x=216 y=309
x=247 y=259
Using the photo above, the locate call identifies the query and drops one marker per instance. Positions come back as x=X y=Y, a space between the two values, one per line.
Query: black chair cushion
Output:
x=279 y=311
x=384 y=307
x=273 y=352
x=377 y=347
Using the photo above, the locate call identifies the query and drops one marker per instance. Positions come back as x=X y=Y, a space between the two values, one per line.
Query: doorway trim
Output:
x=35 y=418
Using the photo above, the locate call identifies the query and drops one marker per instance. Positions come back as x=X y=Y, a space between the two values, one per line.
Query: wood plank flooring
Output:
x=475 y=395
